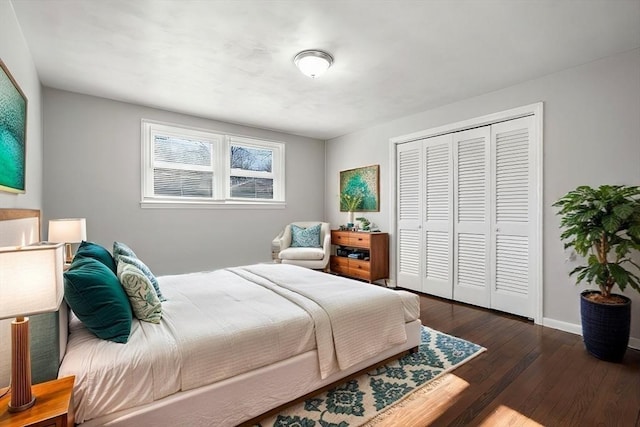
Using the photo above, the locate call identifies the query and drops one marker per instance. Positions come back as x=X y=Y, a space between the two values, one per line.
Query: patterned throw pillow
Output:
x=305 y=237
x=145 y=270
x=120 y=249
x=143 y=298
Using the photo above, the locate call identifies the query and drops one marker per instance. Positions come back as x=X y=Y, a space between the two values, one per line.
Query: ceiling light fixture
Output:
x=313 y=63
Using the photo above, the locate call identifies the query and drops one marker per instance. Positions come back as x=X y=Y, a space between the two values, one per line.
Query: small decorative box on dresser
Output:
x=53 y=407
x=361 y=255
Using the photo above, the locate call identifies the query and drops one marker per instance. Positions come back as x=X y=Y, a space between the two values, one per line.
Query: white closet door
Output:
x=438 y=208
x=472 y=216
x=515 y=203
x=409 y=205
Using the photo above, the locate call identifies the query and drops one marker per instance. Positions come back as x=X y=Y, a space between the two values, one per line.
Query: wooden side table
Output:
x=53 y=408
x=374 y=246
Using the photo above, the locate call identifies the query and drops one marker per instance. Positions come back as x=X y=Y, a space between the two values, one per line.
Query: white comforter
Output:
x=222 y=323
x=353 y=321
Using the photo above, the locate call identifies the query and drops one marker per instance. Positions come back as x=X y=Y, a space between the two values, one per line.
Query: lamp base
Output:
x=21 y=396
x=23 y=407
x=68 y=254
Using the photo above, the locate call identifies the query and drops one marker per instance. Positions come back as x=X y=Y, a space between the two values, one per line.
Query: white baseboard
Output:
x=562 y=326
x=577 y=329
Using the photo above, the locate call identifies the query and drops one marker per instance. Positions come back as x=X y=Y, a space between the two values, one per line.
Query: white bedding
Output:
x=217 y=325
x=342 y=310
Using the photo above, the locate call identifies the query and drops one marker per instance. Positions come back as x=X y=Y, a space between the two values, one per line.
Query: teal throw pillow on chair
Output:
x=305 y=237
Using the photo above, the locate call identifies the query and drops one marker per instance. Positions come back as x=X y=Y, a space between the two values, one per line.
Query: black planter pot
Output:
x=605 y=327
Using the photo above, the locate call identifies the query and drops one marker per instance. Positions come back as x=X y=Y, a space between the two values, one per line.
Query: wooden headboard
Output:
x=20 y=227
x=6 y=214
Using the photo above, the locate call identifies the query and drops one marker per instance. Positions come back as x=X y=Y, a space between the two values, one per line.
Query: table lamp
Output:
x=67 y=231
x=30 y=283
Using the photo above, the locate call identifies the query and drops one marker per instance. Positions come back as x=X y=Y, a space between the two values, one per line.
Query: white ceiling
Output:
x=233 y=60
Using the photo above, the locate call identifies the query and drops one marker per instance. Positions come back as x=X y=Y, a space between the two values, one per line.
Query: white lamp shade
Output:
x=31 y=280
x=313 y=63
x=67 y=230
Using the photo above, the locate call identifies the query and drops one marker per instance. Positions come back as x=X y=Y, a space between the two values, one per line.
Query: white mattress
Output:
x=216 y=325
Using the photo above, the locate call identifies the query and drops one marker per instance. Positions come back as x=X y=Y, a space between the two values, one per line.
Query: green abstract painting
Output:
x=13 y=128
x=359 y=189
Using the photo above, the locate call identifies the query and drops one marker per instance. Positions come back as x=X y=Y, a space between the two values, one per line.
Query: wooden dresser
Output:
x=374 y=250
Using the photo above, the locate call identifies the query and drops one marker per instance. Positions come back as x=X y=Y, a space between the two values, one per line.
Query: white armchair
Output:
x=315 y=258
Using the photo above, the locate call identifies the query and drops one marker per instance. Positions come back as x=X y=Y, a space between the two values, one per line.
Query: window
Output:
x=184 y=166
x=251 y=165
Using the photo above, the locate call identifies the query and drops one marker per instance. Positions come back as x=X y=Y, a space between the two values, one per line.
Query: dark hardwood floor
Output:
x=530 y=375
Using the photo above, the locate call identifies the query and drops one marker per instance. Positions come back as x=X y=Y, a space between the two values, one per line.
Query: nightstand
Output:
x=53 y=408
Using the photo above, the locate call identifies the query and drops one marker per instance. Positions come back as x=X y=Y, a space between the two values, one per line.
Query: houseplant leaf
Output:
x=603 y=225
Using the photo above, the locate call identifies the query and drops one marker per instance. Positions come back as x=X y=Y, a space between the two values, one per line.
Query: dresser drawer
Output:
x=340 y=237
x=359 y=269
x=339 y=264
x=355 y=264
x=359 y=274
x=360 y=240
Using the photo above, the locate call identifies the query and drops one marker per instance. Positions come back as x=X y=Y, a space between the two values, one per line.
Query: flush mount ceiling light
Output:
x=313 y=63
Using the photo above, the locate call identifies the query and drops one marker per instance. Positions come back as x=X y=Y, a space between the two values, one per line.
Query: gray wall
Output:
x=92 y=170
x=591 y=136
x=16 y=56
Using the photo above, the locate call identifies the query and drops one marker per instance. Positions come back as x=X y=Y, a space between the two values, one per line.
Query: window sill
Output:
x=206 y=204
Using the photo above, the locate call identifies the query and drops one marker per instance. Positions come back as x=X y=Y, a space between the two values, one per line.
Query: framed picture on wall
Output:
x=13 y=131
x=359 y=189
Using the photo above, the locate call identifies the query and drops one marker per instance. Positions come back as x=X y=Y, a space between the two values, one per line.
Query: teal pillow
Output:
x=145 y=270
x=97 y=252
x=96 y=296
x=120 y=249
x=305 y=237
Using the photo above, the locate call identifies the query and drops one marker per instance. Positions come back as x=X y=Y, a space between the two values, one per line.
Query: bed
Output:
x=233 y=344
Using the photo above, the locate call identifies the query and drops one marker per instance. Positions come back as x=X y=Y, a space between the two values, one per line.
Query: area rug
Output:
x=364 y=398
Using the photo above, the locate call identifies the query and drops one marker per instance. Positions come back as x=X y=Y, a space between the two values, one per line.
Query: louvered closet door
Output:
x=515 y=202
x=438 y=208
x=409 y=203
x=471 y=216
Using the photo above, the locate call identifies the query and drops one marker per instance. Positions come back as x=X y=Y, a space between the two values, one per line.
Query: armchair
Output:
x=316 y=258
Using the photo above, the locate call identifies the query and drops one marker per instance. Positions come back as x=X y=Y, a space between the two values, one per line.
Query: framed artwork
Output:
x=13 y=130
x=359 y=189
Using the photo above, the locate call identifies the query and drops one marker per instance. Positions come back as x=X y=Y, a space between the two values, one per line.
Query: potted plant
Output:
x=364 y=223
x=603 y=225
x=351 y=202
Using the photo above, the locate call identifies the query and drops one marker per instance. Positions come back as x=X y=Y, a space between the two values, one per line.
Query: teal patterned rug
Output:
x=357 y=401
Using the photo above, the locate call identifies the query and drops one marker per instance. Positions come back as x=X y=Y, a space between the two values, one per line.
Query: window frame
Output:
x=220 y=167
x=277 y=165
